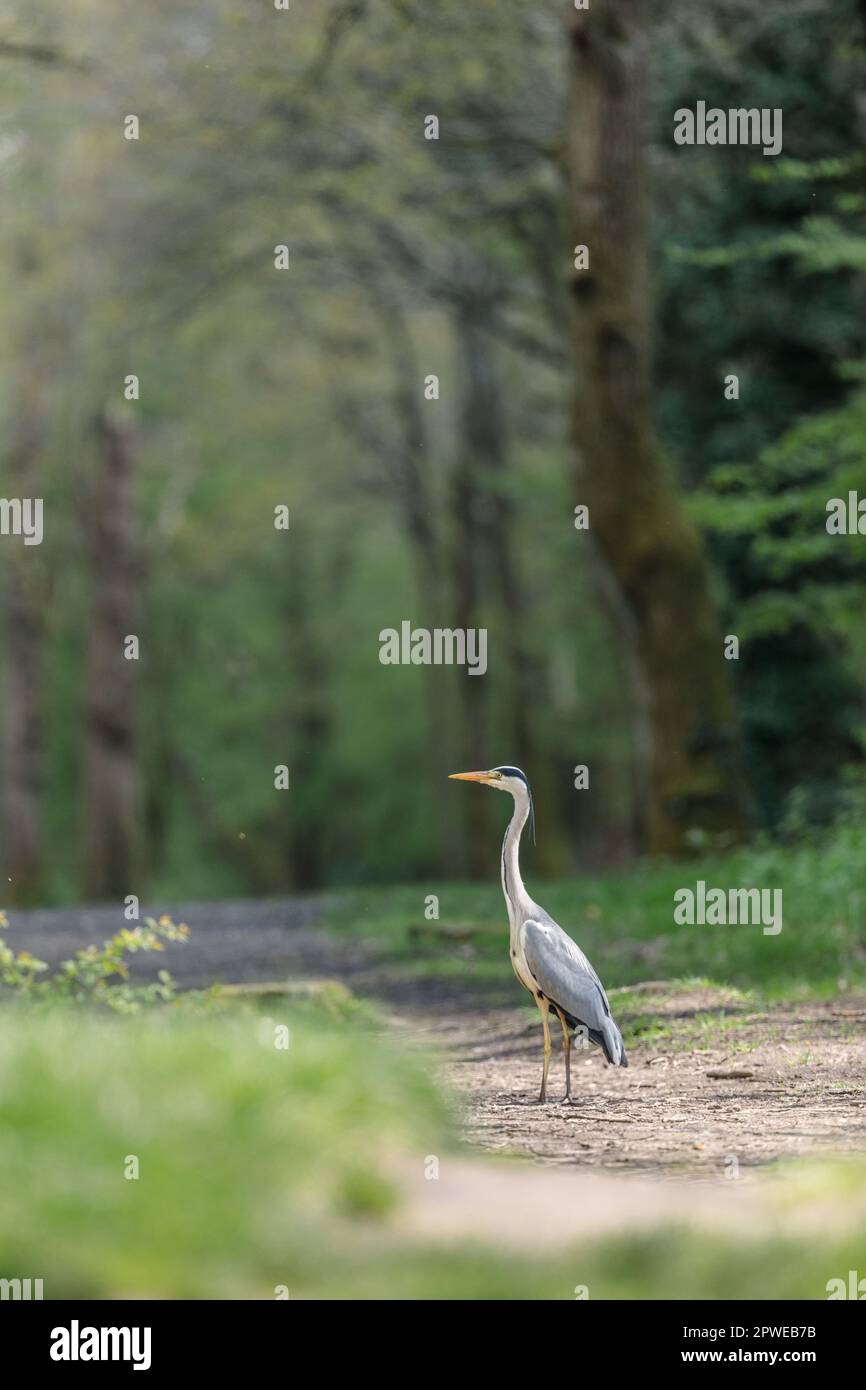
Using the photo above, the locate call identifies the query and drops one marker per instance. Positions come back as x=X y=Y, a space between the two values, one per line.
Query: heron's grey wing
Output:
x=566 y=978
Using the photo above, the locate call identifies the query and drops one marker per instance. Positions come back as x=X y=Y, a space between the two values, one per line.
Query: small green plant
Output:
x=96 y=974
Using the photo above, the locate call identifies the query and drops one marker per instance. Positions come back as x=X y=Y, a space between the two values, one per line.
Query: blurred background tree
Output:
x=305 y=388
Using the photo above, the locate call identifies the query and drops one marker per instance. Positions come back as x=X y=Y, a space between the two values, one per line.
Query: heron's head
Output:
x=504 y=779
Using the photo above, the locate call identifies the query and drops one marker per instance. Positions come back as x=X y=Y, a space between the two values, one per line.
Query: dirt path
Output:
x=716 y=1090
x=684 y=1137
x=230 y=942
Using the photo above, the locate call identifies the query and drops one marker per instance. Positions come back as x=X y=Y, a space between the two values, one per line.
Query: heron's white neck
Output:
x=512 y=884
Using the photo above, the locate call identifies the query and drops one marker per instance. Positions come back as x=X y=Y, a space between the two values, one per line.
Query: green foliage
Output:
x=91 y=976
x=763 y=259
x=261 y=388
x=795 y=601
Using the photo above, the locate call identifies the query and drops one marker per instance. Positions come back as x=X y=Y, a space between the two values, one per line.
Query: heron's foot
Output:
x=566 y=1099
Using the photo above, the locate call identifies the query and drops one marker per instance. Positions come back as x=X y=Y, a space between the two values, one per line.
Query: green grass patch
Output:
x=625 y=922
x=252 y=1158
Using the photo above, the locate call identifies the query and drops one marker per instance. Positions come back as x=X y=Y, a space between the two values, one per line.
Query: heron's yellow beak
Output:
x=469 y=776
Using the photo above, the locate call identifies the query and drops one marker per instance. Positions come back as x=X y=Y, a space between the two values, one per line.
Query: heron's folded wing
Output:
x=565 y=975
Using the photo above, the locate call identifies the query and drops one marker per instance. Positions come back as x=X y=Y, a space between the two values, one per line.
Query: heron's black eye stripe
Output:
x=511 y=772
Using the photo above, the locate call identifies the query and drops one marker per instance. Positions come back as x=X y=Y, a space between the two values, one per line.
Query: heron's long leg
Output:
x=566 y=1049
x=544 y=1008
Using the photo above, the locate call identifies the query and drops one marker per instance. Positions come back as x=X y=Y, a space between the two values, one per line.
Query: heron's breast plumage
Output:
x=518 y=961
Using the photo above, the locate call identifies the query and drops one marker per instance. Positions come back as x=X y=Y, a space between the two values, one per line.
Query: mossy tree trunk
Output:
x=653 y=557
x=111 y=819
x=25 y=598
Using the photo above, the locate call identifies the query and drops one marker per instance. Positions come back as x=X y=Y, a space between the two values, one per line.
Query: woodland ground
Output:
x=722 y=1079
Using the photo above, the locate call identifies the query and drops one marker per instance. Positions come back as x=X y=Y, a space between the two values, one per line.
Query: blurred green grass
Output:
x=625 y=923
x=248 y=1154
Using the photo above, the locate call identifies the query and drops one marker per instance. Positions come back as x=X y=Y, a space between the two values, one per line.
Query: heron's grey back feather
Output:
x=567 y=978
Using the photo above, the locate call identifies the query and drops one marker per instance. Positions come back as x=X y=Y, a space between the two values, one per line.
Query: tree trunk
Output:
x=309 y=728
x=654 y=555
x=485 y=446
x=25 y=601
x=111 y=849
x=471 y=519
x=415 y=504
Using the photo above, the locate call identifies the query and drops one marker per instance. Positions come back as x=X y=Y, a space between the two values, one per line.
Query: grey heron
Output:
x=545 y=960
